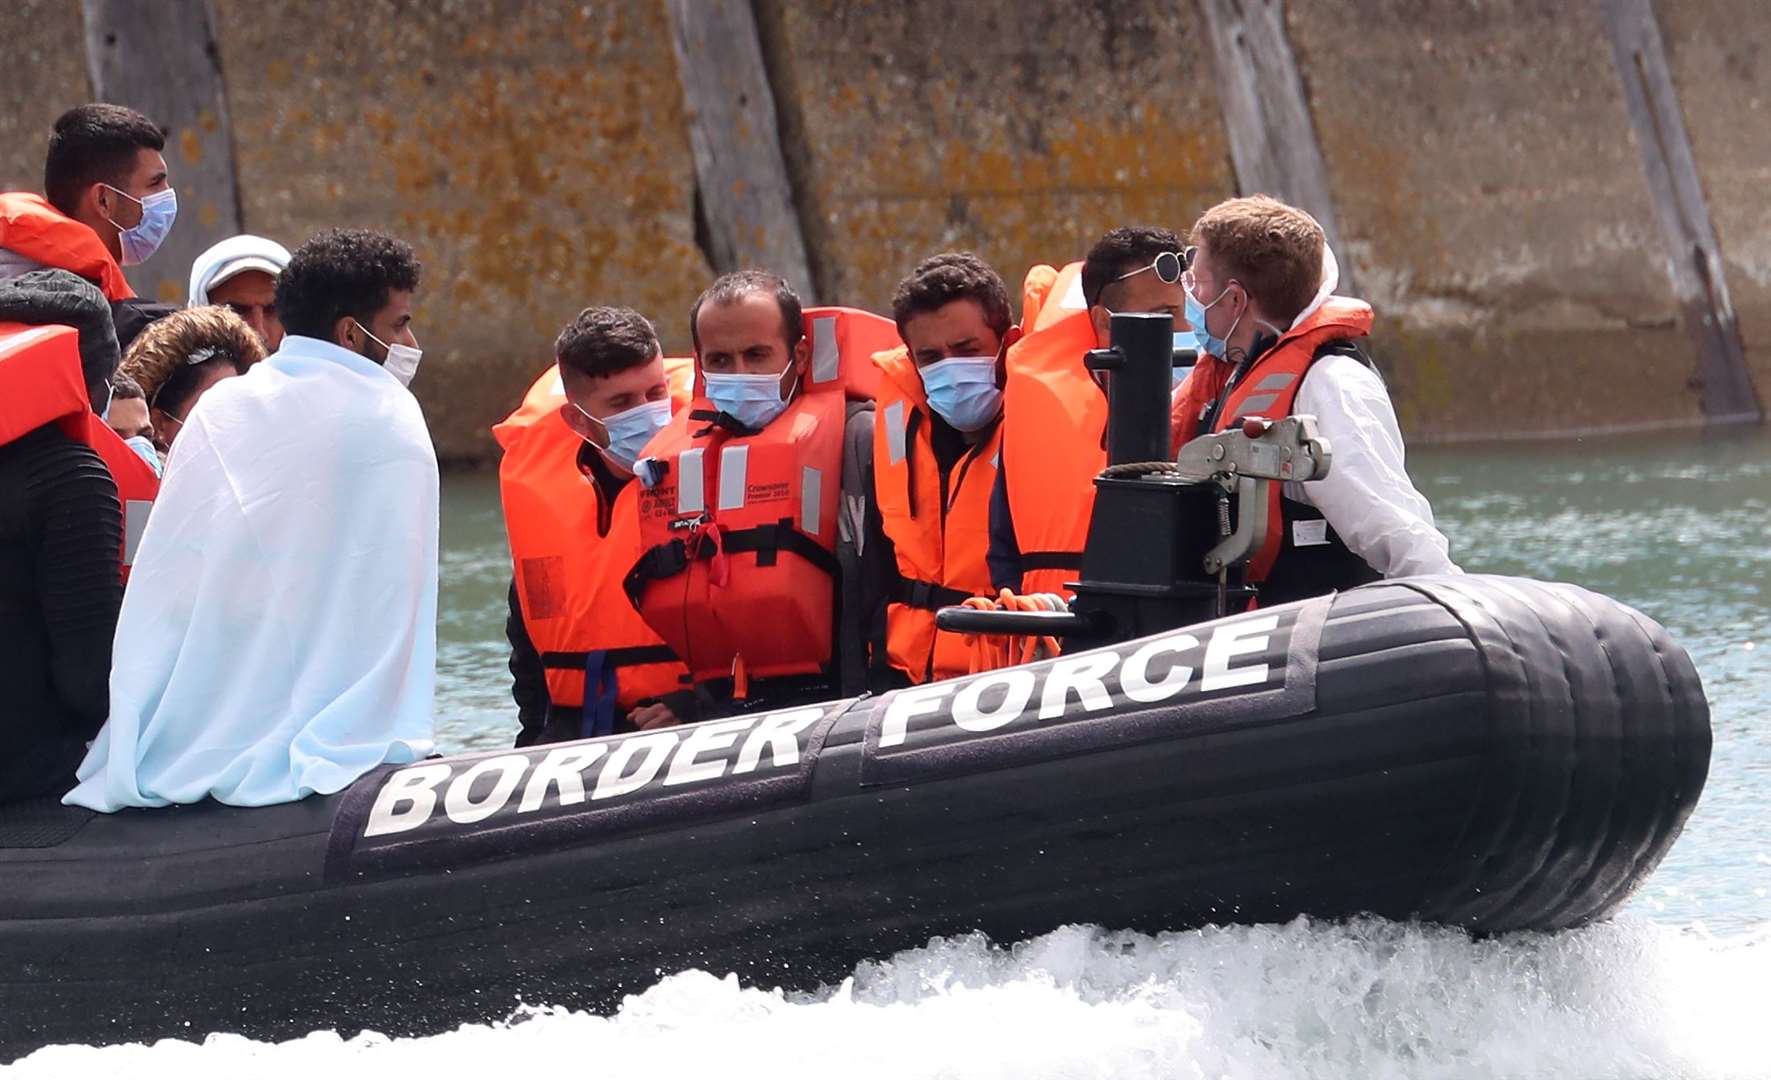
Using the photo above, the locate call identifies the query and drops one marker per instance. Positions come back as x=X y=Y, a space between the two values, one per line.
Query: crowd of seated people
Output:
x=219 y=519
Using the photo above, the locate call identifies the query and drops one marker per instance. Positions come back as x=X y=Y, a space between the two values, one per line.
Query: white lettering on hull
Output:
x=996 y=699
x=577 y=773
x=704 y=753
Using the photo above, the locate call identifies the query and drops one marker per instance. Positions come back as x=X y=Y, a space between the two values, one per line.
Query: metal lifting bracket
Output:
x=1244 y=461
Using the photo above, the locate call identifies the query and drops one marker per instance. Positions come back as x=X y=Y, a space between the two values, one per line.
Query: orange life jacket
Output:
x=38 y=231
x=41 y=382
x=740 y=570
x=568 y=570
x=939 y=525
x=1054 y=431
x=1269 y=388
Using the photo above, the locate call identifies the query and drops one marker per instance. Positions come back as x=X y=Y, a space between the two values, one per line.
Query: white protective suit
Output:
x=278 y=635
x=1367 y=495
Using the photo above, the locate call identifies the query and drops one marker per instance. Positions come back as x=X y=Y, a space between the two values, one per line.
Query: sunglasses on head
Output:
x=1168 y=266
x=202 y=355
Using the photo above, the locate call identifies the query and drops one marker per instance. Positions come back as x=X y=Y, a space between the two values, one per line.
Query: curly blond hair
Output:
x=186 y=337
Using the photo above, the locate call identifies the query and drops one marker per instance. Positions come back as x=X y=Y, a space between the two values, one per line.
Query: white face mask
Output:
x=401 y=361
x=158 y=212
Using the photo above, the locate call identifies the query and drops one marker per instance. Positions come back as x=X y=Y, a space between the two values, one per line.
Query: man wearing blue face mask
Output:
x=757 y=521
x=936 y=450
x=108 y=201
x=1275 y=341
x=583 y=662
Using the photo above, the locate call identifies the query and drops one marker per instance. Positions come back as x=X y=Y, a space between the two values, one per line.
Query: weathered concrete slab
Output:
x=746 y=193
x=1693 y=258
x=44 y=76
x=1495 y=206
x=535 y=155
x=1719 y=52
x=161 y=60
x=1267 y=113
x=1015 y=131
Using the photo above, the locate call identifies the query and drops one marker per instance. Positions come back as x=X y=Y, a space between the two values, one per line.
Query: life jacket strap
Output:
x=767 y=541
x=627 y=656
x=602 y=692
x=1051 y=560
x=671 y=558
x=719 y=418
x=927 y=595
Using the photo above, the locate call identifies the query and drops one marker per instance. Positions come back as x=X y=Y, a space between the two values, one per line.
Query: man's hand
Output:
x=656 y=715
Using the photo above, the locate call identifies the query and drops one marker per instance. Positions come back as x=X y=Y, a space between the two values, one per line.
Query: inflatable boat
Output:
x=1491 y=753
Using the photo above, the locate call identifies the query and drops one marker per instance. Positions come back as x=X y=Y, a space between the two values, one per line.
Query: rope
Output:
x=992 y=651
x=1140 y=468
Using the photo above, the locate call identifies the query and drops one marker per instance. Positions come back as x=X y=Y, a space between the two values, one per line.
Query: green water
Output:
x=1677 y=526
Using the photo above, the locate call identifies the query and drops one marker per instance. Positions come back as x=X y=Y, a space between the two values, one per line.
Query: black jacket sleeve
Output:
x=869 y=569
x=528 y=684
x=82 y=585
x=1004 y=553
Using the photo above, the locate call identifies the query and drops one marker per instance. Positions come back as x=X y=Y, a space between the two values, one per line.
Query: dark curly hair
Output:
x=954 y=275
x=735 y=286
x=604 y=341
x=1121 y=251
x=342 y=272
x=95 y=144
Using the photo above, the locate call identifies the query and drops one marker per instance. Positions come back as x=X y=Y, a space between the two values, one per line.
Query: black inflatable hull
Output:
x=1492 y=753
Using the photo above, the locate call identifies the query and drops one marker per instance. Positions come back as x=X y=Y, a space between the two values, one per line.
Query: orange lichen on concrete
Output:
x=1020 y=139
x=537 y=158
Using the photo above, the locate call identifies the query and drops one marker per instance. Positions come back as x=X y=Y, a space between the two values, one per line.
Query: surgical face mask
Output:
x=630 y=430
x=1204 y=340
x=401 y=361
x=158 y=212
x=962 y=390
x=752 y=400
x=144 y=448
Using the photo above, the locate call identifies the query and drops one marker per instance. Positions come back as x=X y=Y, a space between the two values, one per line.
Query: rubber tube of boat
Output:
x=1140 y=377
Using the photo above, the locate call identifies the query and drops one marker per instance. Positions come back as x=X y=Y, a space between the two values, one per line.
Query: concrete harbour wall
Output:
x=1480 y=158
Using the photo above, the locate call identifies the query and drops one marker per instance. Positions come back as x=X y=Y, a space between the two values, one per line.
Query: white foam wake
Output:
x=1366 y=999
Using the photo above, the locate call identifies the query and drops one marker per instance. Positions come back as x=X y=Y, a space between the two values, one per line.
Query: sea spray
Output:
x=1366 y=999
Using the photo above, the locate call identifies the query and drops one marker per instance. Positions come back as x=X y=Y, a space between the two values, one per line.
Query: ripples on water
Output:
x=1679 y=985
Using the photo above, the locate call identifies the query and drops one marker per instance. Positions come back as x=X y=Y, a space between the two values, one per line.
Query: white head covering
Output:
x=1331 y=280
x=232 y=256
